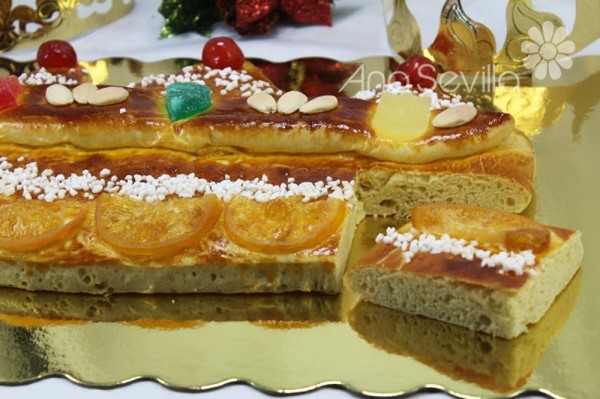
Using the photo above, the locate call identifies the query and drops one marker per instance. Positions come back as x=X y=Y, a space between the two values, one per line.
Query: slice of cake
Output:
x=483 y=269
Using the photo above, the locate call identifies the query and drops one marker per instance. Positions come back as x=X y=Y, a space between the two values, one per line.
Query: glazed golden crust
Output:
x=213 y=165
x=442 y=266
x=230 y=122
x=37 y=123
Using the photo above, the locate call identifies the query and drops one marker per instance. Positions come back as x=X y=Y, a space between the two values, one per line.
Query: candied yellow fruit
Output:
x=401 y=118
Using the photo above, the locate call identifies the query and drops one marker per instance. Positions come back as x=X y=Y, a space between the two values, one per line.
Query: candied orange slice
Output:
x=282 y=225
x=28 y=225
x=154 y=228
x=489 y=226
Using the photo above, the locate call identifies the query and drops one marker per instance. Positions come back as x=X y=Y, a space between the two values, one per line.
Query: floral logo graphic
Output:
x=548 y=51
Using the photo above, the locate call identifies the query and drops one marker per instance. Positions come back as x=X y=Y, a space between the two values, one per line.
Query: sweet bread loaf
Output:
x=229 y=195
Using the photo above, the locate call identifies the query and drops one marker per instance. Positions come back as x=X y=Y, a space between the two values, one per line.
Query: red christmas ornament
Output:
x=255 y=16
x=258 y=16
x=316 y=12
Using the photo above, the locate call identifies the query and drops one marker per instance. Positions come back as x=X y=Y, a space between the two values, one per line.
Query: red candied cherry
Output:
x=419 y=71
x=222 y=52
x=10 y=88
x=56 y=54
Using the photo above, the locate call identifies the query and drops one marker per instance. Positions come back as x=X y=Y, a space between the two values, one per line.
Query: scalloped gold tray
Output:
x=292 y=343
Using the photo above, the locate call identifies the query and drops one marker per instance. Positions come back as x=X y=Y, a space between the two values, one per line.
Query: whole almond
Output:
x=291 y=102
x=108 y=96
x=59 y=95
x=262 y=102
x=455 y=116
x=320 y=104
x=82 y=92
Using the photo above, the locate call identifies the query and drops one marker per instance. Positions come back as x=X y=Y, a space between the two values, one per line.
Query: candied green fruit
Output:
x=185 y=100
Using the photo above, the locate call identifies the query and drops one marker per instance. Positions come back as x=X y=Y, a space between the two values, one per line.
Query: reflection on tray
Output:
x=45 y=309
x=493 y=363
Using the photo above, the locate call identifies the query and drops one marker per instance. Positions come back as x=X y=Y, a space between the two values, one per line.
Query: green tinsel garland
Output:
x=183 y=16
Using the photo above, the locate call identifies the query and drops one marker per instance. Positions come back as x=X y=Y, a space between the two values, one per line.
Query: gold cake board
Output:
x=296 y=343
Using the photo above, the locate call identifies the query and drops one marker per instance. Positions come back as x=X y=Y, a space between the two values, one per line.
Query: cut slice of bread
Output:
x=484 y=293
